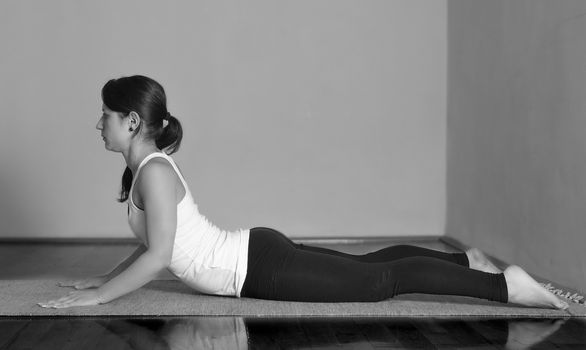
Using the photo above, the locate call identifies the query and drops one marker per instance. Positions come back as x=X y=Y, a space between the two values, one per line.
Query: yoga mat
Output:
x=173 y=298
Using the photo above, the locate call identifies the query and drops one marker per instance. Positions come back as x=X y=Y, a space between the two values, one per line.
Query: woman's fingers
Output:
x=61 y=301
x=74 y=283
x=66 y=284
x=77 y=284
x=58 y=304
x=70 y=303
x=74 y=298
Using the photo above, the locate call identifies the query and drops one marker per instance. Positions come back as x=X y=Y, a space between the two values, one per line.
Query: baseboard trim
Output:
x=67 y=240
x=308 y=240
x=365 y=240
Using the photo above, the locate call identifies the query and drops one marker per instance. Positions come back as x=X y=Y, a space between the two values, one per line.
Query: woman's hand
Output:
x=75 y=298
x=92 y=282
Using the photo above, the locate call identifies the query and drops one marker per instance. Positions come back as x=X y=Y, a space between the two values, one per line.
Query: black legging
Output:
x=280 y=269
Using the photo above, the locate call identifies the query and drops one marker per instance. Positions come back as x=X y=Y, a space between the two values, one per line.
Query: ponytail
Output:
x=171 y=136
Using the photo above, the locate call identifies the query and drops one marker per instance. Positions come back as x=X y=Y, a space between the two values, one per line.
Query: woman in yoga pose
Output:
x=259 y=262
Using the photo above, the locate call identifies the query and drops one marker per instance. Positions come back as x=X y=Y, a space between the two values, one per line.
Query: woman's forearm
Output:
x=127 y=262
x=143 y=270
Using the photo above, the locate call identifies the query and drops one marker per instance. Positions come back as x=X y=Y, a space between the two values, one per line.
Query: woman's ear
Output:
x=134 y=120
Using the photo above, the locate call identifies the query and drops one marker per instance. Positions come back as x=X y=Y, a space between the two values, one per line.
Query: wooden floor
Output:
x=71 y=260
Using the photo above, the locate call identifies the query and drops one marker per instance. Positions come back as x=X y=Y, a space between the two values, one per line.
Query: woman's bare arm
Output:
x=157 y=188
x=127 y=262
x=98 y=281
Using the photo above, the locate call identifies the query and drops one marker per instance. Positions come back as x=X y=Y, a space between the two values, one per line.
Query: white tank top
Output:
x=208 y=259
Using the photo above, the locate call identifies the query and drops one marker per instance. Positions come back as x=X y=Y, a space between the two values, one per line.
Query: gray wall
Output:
x=318 y=117
x=516 y=128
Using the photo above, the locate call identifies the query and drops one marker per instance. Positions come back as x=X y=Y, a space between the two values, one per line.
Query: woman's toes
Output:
x=562 y=305
x=524 y=290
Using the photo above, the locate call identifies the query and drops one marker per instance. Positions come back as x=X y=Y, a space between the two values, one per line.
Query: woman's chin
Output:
x=109 y=148
x=106 y=143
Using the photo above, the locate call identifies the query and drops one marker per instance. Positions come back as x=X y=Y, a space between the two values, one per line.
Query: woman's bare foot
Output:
x=524 y=290
x=479 y=261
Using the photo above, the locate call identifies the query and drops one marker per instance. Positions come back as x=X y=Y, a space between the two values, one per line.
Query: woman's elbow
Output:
x=160 y=261
x=164 y=262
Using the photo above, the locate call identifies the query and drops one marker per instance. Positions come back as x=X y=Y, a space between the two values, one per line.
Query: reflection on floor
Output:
x=292 y=333
x=72 y=260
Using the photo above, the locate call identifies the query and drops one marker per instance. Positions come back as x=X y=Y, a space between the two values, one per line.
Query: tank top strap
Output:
x=153 y=155
x=174 y=165
x=142 y=163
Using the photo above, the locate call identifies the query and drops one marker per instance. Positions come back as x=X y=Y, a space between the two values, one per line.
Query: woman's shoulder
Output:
x=157 y=172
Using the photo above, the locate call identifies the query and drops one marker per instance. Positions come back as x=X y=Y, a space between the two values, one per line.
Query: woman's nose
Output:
x=99 y=125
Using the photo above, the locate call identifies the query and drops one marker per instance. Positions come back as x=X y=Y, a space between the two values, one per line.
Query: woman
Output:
x=260 y=262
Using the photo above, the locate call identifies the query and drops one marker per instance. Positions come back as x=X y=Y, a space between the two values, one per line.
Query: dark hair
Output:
x=147 y=98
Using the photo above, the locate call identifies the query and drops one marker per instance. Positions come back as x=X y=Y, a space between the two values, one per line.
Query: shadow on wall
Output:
x=13 y=209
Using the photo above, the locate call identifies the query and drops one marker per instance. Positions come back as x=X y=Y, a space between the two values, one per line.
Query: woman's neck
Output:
x=137 y=153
